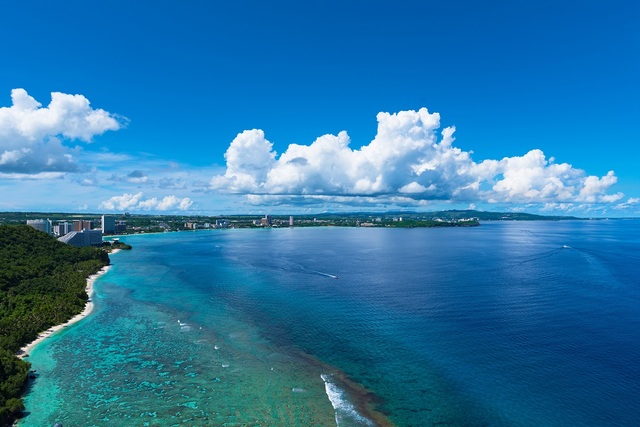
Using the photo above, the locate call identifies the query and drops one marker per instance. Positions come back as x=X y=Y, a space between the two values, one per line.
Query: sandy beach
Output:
x=24 y=351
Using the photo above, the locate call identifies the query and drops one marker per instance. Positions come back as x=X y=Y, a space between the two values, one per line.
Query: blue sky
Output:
x=206 y=107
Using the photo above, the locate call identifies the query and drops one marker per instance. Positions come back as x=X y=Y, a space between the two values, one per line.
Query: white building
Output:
x=221 y=223
x=41 y=224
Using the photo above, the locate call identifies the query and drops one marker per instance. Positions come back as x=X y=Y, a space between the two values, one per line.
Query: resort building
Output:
x=63 y=228
x=82 y=224
x=41 y=224
x=222 y=223
x=266 y=221
x=85 y=237
x=108 y=224
x=121 y=226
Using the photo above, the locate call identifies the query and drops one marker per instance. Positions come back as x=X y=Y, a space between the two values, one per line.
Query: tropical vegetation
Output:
x=42 y=284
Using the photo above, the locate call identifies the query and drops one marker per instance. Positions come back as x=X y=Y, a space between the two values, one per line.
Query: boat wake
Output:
x=333 y=276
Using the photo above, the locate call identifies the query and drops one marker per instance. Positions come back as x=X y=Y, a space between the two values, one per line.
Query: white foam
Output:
x=333 y=276
x=345 y=411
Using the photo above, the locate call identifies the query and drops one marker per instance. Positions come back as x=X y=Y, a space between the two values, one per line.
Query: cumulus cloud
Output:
x=31 y=136
x=137 y=202
x=409 y=161
x=121 y=203
x=533 y=178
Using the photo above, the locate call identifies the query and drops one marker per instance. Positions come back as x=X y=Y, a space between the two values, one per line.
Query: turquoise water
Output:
x=511 y=323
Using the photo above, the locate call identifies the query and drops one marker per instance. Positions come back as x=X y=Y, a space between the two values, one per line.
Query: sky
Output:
x=253 y=107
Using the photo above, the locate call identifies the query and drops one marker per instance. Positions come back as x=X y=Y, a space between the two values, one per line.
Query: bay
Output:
x=509 y=323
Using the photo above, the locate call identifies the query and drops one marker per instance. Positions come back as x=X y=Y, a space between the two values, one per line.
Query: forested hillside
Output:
x=42 y=284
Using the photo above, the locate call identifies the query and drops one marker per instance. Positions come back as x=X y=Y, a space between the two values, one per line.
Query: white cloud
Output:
x=121 y=203
x=136 y=202
x=594 y=187
x=565 y=207
x=184 y=203
x=168 y=202
x=31 y=136
x=533 y=178
x=249 y=159
x=632 y=202
x=407 y=160
x=35 y=176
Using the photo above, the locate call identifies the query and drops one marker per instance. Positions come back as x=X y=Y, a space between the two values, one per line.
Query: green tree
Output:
x=42 y=284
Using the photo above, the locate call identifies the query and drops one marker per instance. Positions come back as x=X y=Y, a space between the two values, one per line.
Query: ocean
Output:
x=505 y=324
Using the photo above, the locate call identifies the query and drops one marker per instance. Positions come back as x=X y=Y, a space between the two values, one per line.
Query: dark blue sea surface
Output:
x=505 y=324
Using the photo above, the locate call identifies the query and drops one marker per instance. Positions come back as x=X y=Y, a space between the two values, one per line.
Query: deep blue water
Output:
x=509 y=323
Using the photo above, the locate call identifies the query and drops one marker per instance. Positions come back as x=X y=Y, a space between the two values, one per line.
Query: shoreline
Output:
x=23 y=353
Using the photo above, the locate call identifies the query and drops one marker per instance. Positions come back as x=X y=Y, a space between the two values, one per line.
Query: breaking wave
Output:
x=346 y=413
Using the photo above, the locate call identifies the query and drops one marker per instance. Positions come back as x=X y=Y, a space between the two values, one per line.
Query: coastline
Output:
x=88 y=308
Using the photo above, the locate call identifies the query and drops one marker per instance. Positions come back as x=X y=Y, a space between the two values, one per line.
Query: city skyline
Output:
x=334 y=107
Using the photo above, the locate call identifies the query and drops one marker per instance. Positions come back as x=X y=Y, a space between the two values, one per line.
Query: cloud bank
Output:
x=31 y=136
x=137 y=202
x=409 y=162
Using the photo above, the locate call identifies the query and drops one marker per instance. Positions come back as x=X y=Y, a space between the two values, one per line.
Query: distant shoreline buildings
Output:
x=79 y=232
x=137 y=224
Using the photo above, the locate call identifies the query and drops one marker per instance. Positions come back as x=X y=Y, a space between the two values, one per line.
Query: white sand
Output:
x=24 y=351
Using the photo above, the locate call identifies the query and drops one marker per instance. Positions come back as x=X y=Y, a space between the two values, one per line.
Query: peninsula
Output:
x=42 y=284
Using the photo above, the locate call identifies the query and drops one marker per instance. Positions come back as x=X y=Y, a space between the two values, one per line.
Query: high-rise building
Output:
x=81 y=224
x=64 y=227
x=291 y=221
x=41 y=224
x=266 y=221
x=108 y=224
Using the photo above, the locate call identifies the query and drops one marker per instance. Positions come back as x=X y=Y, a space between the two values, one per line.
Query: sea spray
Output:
x=346 y=413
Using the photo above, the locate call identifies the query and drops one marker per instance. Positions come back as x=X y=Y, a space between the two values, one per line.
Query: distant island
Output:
x=137 y=223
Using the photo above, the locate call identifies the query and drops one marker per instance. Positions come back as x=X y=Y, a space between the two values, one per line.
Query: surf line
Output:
x=345 y=411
